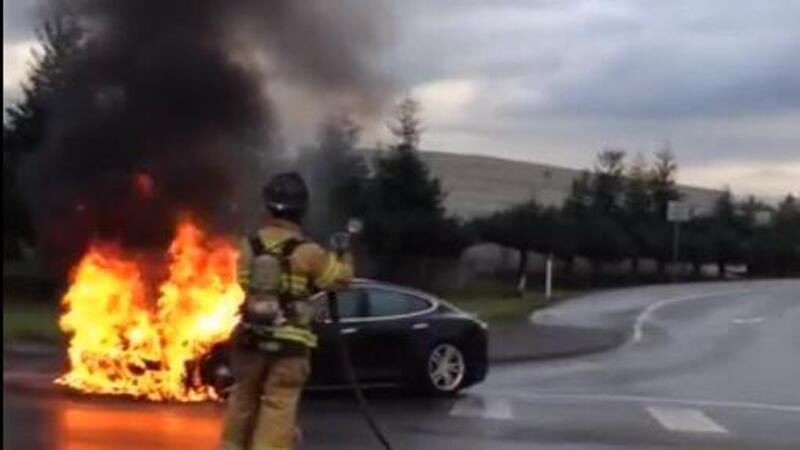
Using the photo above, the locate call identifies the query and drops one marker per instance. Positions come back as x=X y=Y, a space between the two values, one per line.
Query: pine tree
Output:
x=60 y=38
x=405 y=217
x=663 y=189
x=608 y=182
x=638 y=208
x=25 y=121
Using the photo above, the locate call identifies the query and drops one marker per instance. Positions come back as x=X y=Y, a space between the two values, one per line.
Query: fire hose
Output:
x=350 y=374
x=341 y=243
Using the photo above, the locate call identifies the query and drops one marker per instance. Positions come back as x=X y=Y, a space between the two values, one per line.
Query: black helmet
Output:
x=286 y=195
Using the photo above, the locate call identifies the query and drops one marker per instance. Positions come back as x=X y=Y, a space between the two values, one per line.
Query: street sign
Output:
x=678 y=211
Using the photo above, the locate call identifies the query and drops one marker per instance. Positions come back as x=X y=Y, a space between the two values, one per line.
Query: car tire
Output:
x=216 y=372
x=445 y=369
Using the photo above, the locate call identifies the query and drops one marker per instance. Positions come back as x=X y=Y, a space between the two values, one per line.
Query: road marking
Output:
x=611 y=398
x=685 y=419
x=485 y=408
x=747 y=321
x=644 y=316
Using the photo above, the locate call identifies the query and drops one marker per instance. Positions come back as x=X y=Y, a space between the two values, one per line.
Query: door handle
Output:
x=420 y=326
x=350 y=330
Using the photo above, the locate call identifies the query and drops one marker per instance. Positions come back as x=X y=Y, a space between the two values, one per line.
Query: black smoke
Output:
x=167 y=111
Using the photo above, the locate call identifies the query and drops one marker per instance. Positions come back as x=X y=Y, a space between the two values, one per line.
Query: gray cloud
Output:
x=555 y=80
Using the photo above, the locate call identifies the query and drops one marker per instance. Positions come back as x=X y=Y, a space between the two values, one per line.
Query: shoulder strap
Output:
x=290 y=245
x=256 y=245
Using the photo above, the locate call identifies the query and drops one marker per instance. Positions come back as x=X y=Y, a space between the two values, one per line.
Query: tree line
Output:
x=618 y=211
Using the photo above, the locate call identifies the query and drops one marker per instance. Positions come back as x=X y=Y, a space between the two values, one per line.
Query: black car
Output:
x=395 y=335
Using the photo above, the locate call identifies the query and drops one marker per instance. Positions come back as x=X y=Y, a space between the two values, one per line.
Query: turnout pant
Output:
x=262 y=408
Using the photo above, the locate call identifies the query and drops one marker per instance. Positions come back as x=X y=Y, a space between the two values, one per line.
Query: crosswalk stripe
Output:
x=685 y=419
x=486 y=408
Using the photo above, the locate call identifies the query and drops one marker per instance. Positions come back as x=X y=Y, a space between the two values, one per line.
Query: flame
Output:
x=124 y=343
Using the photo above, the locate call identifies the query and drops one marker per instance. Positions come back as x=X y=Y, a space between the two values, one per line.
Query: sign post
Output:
x=677 y=212
x=548 y=284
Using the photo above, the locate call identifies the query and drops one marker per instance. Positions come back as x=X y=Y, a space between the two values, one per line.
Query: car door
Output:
x=387 y=338
x=326 y=360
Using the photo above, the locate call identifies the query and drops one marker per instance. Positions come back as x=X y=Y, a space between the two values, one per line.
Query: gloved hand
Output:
x=340 y=242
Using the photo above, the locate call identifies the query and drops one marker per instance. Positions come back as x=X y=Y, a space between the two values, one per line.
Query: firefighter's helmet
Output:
x=286 y=194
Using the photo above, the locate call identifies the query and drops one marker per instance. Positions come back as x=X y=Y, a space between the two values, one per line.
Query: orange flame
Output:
x=123 y=343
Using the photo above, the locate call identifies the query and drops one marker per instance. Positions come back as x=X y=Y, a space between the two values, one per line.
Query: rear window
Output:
x=384 y=303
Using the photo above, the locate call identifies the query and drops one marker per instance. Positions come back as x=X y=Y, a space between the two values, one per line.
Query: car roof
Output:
x=367 y=282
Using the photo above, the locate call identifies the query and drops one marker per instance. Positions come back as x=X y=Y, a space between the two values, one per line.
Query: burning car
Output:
x=165 y=337
x=395 y=335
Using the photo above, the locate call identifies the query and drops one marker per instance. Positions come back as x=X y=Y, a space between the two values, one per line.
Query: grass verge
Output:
x=497 y=303
x=30 y=322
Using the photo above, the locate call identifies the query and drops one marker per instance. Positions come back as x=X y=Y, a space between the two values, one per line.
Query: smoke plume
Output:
x=167 y=110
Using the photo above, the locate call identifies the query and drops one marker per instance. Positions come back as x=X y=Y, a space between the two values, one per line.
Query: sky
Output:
x=556 y=81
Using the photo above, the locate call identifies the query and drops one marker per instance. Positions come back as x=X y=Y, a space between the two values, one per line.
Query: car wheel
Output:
x=445 y=369
x=215 y=372
x=223 y=381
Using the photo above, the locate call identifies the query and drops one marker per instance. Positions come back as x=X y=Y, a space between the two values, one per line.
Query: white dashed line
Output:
x=617 y=398
x=485 y=408
x=685 y=419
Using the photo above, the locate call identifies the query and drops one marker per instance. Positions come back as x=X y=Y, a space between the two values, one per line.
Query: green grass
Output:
x=26 y=321
x=495 y=302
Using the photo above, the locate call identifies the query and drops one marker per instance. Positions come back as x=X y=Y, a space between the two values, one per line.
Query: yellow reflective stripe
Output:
x=331 y=272
x=295 y=284
x=295 y=334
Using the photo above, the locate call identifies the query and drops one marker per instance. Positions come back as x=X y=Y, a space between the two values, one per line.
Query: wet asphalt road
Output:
x=707 y=366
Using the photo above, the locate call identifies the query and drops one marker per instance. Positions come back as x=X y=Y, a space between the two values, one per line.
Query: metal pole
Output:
x=675 y=246
x=548 y=285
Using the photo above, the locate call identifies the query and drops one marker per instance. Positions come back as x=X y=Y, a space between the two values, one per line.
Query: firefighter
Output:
x=279 y=269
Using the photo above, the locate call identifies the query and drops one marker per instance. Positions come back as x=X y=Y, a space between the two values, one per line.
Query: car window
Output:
x=352 y=303
x=384 y=302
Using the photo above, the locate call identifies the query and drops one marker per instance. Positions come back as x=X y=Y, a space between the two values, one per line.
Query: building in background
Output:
x=481 y=185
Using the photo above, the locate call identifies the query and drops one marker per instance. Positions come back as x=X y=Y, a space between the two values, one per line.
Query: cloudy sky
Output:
x=557 y=80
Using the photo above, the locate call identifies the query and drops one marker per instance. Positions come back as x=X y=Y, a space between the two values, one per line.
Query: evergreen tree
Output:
x=638 y=207
x=663 y=189
x=775 y=247
x=603 y=236
x=727 y=233
x=24 y=123
x=405 y=217
x=26 y=120
x=518 y=228
x=663 y=184
x=608 y=182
